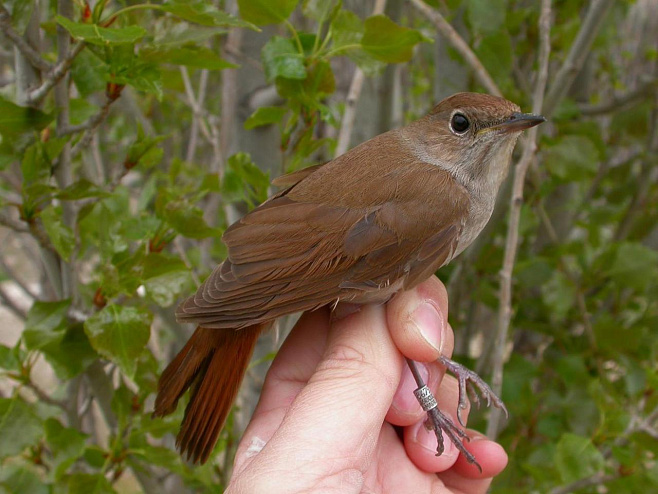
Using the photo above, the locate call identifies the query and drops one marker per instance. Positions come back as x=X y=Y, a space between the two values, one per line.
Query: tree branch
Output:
x=511 y=244
x=89 y=127
x=61 y=69
x=458 y=43
x=8 y=302
x=577 y=54
x=30 y=54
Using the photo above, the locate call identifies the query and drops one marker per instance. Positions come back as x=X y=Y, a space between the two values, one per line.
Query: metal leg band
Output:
x=425 y=398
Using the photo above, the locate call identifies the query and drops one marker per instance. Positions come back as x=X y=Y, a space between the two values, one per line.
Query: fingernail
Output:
x=430 y=324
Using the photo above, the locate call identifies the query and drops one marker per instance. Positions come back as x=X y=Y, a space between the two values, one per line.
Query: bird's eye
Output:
x=459 y=123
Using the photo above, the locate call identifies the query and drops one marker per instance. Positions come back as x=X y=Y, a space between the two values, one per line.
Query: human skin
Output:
x=337 y=412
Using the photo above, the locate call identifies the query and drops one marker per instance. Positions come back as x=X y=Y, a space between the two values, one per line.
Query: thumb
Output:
x=331 y=428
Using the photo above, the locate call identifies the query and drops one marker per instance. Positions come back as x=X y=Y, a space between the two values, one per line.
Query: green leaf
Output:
x=558 y=294
x=205 y=14
x=45 y=323
x=66 y=445
x=244 y=180
x=576 y=458
x=165 y=278
x=346 y=29
x=389 y=42
x=321 y=10
x=19 y=426
x=16 y=119
x=140 y=149
x=281 y=59
x=263 y=12
x=8 y=359
x=198 y=57
x=497 y=54
x=94 y=34
x=634 y=265
x=89 y=73
x=88 y=483
x=188 y=220
x=143 y=76
x=265 y=115
x=182 y=33
x=573 y=158
x=486 y=16
x=60 y=235
x=120 y=334
x=82 y=189
x=38 y=159
x=22 y=477
x=71 y=354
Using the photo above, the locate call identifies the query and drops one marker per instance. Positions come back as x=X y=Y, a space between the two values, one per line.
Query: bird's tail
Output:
x=212 y=363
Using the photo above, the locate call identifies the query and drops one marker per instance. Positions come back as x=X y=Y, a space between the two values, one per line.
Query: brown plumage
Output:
x=358 y=228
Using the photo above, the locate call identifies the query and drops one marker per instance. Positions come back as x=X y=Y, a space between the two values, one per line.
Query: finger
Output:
x=466 y=477
x=421 y=443
x=405 y=409
x=292 y=367
x=418 y=320
x=332 y=426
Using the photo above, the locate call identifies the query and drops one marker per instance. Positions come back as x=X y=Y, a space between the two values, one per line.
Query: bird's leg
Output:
x=437 y=421
x=469 y=386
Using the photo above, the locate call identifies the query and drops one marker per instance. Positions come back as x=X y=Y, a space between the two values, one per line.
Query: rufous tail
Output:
x=212 y=363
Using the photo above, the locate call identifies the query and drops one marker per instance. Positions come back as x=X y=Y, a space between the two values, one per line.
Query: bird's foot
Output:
x=469 y=386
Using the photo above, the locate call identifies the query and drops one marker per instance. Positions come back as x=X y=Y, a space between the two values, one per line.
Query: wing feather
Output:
x=301 y=249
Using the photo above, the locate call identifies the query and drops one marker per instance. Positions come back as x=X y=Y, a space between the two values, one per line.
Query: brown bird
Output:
x=381 y=218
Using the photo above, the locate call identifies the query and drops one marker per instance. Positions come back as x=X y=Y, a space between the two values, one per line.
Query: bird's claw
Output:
x=469 y=386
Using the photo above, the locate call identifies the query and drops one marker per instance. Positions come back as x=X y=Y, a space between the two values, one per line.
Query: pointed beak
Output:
x=518 y=122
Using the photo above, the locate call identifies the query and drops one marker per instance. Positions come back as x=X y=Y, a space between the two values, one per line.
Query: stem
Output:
x=295 y=35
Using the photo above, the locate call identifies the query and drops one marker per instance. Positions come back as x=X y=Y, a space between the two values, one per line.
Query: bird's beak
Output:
x=518 y=122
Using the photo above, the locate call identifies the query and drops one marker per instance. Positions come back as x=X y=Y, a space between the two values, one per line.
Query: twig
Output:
x=16 y=279
x=91 y=123
x=577 y=55
x=512 y=240
x=30 y=54
x=347 y=123
x=61 y=69
x=8 y=302
x=458 y=44
x=43 y=396
x=90 y=127
x=9 y=222
x=194 y=131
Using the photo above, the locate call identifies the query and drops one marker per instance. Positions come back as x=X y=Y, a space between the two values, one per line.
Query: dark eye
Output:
x=459 y=123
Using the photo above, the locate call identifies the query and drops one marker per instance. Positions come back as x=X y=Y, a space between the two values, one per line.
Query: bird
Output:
x=381 y=218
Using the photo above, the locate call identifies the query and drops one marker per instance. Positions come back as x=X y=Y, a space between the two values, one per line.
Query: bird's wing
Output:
x=304 y=248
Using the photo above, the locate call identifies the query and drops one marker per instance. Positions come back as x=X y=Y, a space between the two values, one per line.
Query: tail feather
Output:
x=212 y=364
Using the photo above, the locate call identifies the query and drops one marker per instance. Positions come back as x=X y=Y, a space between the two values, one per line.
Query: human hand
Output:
x=337 y=412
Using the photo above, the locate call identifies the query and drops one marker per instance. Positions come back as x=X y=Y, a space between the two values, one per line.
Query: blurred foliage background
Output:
x=134 y=133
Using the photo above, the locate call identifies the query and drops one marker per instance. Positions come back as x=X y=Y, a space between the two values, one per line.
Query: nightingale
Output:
x=380 y=218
